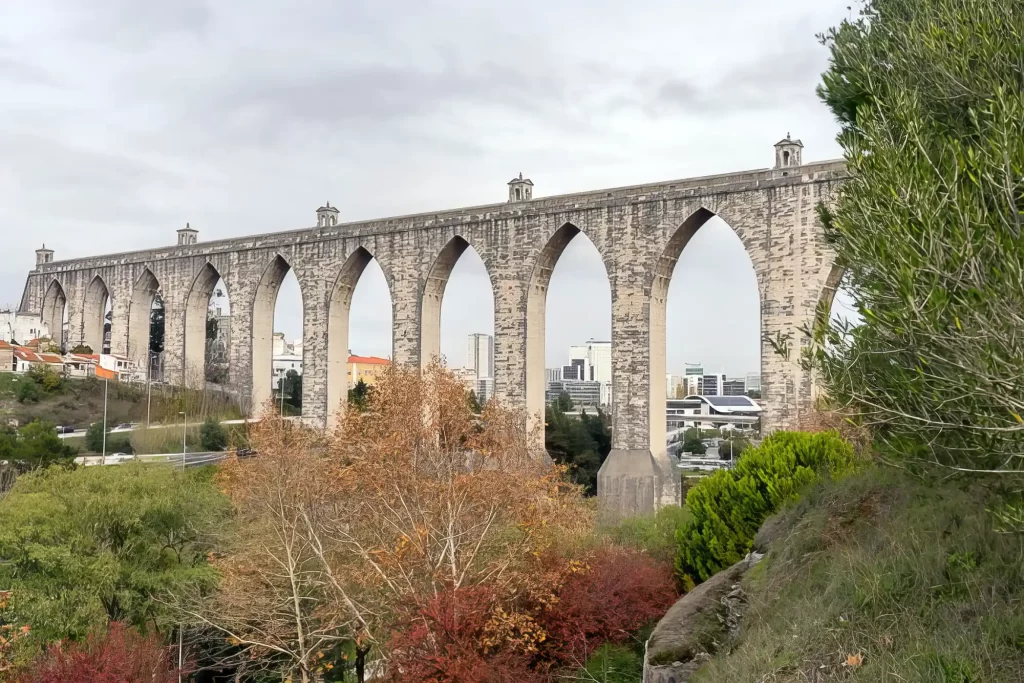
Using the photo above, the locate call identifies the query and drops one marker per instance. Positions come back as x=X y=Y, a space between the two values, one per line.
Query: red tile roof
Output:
x=5 y=345
x=27 y=355
x=368 y=360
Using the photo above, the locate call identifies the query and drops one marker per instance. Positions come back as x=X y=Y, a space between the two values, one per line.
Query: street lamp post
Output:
x=103 y=454
x=184 y=444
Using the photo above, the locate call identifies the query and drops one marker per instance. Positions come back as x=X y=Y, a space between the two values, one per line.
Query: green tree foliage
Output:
x=82 y=349
x=94 y=437
x=116 y=443
x=693 y=444
x=474 y=403
x=581 y=442
x=291 y=385
x=929 y=229
x=47 y=379
x=733 y=447
x=359 y=396
x=728 y=507
x=86 y=546
x=34 y=445
x=213 y=436
x=156 y=325
x=28 y=391
x=563 y=402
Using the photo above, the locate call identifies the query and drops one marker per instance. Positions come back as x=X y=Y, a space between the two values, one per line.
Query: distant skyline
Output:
x=125 y=120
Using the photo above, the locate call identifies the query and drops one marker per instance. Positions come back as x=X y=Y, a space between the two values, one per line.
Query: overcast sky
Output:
x=121 y=120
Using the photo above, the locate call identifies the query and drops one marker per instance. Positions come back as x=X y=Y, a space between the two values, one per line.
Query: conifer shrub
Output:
x=727 y=508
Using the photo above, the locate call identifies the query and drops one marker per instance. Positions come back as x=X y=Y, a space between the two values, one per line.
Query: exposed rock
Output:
x=697 y=625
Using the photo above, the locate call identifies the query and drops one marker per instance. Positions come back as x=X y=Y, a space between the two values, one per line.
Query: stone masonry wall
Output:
x=633 y=228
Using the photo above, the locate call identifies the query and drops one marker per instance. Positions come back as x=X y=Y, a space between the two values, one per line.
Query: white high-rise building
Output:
x=553 y=375
x=480 y=355
x=595 y=361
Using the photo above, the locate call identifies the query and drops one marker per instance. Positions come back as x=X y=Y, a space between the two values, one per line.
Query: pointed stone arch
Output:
x=536 y=309
x=54 y=303
x=196 y=306
x=340 y=308
x=94 y=313
x=263 y=305
x=433 y=296
x=140 y=311
x=657 y=321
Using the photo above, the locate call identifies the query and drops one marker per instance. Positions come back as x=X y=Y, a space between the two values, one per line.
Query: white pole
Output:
x=184 y=447
x=180 y=664
x=103 y=455
x=149 y=391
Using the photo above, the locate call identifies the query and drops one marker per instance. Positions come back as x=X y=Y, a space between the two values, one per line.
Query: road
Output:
x=174 y=459
x=81 y=432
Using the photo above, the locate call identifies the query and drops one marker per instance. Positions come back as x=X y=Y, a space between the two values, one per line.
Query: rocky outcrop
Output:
x=697 y=625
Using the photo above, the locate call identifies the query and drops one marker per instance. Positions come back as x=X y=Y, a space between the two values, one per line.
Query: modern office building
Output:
x=711 y=412
x=584 y=394
x=753 y=381
x=553 y=375
x=578 y=369
x=734 y=387
x=711 y=384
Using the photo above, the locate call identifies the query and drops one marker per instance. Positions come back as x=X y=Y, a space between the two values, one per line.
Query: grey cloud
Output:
x=135 y=25
x=770 y=81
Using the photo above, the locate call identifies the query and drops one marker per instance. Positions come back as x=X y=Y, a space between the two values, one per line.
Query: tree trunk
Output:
x=361 y=653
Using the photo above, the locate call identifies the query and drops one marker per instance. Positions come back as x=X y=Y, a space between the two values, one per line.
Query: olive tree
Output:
x=929 y=95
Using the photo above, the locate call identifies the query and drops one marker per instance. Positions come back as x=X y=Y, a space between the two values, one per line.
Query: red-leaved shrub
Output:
x=617 y=593
x=121 y=655
x=461 y=636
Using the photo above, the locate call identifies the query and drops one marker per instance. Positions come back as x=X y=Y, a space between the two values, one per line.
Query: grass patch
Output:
x=612 y=664
x=880 y=577
x=653 y=534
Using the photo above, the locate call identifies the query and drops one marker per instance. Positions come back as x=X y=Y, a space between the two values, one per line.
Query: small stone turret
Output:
x=326 y=216
x=520 y=189
x=187 y=235
x=788 y=153
x=44 y=255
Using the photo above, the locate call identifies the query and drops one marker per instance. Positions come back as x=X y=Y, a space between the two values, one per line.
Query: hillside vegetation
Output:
x=79 y=402
x=883 y=577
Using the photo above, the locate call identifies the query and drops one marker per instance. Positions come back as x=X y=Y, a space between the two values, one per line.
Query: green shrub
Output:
x=613 y=664
x=727 y=508
x=28 y=391
x=213 y=436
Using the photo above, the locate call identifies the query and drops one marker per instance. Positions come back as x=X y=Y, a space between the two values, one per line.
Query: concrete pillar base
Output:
x=634 y=482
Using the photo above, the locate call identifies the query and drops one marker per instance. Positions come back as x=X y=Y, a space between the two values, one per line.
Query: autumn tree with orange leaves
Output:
x=345 y=535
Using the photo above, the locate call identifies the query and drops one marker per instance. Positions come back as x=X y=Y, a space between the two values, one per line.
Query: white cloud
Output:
x=124 y=120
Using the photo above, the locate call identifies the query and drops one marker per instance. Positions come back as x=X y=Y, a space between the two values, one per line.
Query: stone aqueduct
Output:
x=640 y=232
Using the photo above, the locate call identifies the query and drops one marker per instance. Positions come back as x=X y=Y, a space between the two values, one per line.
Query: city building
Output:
x=584 y=394
x=578 y=369
x=366 y=368
x=753 y=381
x=734 y=387
x=553 y=375
x=6 y=357
x=484 y=389
x=21 y=327
x=711 y=412
x=711 y=384
x=592 y=362
x=675 y=386
x=480 y=354
x=282 y=363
